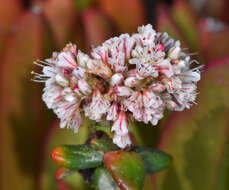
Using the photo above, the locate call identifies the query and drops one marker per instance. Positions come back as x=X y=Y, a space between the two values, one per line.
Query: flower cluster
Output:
x=135 y=76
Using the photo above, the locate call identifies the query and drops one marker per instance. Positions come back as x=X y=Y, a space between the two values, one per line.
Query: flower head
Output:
x=138 y=76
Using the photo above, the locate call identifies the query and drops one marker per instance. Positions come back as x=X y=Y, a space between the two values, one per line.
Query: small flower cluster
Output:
x=136 y=76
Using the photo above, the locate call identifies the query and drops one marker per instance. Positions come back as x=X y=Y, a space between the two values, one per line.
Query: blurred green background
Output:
x=197 y=139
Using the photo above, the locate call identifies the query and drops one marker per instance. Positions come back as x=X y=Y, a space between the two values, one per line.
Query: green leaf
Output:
x=103 y=144
x=77 y=157
x=126 y=168
x=154 y=160
x=103 y=180
x=166 y=24
x=197 y=138
x=185 y=19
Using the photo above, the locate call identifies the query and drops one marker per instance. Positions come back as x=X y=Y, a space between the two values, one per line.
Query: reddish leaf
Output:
x=214 y=39
x=97 y=27
x=61 y=16
x=20 y=120
x=9 y=12
x=218 y=9
x=127 y=15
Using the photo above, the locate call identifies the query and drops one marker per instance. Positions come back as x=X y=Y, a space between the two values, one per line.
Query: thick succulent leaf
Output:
x=185 y=19
x=214 y=39
x=103 y=180
x=60 y=16
x=154 y=160
x=198 y=138
x=76 y=157
x=20 y=118
x=103 y=144
x=126 y=168
x=55 y=137
x=165 y=23
x=96 y=26
x=127 y=15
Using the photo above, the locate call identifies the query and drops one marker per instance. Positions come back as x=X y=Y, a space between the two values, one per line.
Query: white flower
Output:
x=99 y=68
x=157 y=87
x=79 y=73
x=146 y=35
x=137 y=76
x=84 y=86
x=113 y=112
x=68 y=95
x=98 y=106
x=135 y=104
x=116 y=79
x=66 y=59
x=174 y=52
x=52 y=94
x=69 y=117
x=123 y=91
x=61 y=80
x=190 y=76
x=154 y=107
x=131 y=81
x=120 y=126
x=121 y=140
